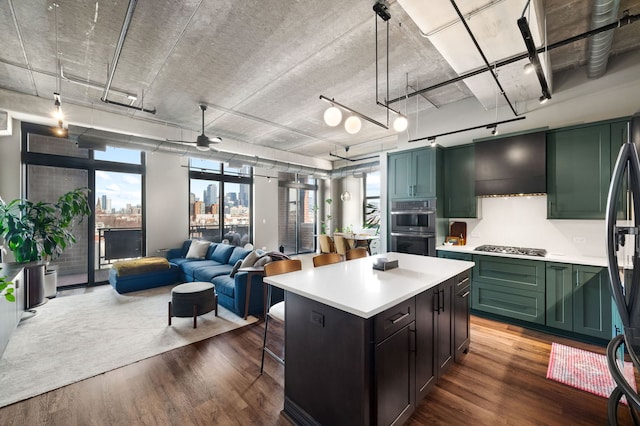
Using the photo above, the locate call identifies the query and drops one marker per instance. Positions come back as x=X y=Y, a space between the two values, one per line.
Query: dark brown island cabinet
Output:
x=342 y=369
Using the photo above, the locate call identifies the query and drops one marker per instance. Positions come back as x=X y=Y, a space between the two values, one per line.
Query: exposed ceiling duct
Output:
x=604 y=12
x=99 y=139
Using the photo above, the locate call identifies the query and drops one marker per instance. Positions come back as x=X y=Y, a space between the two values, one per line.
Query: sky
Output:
x=121 y=188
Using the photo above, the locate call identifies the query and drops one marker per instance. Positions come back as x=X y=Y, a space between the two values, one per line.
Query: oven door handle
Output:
x=406 y=234
x=412 y=212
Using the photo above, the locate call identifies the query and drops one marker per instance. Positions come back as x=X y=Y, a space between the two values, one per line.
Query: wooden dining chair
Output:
x=357 y=253
x=276 y=311
x=326 y=244
x=326 y=259
x=341 y=245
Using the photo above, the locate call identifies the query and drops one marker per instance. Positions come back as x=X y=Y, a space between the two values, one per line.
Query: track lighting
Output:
x=495 y=132
x=544 y=98
x=528 y=68
x=352 y=125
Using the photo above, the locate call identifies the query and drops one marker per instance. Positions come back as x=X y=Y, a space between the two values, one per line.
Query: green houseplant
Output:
x=42 y=231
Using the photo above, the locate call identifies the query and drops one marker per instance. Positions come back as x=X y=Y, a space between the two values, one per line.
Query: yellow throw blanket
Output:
x=140 y=266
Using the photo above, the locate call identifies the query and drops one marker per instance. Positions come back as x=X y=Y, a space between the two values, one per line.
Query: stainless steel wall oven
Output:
x=413 y=227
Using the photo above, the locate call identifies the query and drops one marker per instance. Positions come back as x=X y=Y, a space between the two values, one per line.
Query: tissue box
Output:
x=385 y=265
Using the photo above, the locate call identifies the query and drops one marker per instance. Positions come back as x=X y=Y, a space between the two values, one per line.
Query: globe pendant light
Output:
x=332 y=116
x=352 y=125
x=400 y=123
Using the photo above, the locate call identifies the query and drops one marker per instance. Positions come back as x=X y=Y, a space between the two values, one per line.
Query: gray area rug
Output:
x=74 y=337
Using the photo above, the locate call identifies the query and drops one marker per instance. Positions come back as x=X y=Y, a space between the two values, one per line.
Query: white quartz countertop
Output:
x=355 y=287
x=550 y=257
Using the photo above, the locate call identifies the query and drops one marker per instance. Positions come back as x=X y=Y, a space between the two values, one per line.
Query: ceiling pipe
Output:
x=625 y=20
x=604 y=12
x=99 y=139
x=484 y=58
x=116 y=58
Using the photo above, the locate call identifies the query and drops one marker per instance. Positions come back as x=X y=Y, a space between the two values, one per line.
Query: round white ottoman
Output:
x=193 y=299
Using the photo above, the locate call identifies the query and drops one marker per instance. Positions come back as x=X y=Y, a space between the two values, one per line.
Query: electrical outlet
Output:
x=317 y=318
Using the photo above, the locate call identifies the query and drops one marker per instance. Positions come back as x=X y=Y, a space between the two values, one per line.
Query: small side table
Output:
x=251 y=271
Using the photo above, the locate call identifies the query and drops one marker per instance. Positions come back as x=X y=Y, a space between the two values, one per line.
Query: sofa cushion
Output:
x=207 y=273
x=225 y=285
x=235 y=268
x=212 y=248
x=222 y=253
x=185 y=248
x=189 y=267
x=181 y=260
x=250 y=259
x=198 y=249
x=238 y=253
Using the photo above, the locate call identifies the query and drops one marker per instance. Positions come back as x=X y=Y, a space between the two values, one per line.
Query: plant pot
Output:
x=50 y=283
x=34 y=280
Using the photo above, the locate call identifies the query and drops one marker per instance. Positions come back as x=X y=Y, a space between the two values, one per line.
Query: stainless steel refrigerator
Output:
x=623 y=255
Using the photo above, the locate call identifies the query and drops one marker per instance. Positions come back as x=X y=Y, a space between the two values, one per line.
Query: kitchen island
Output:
x=363 y=346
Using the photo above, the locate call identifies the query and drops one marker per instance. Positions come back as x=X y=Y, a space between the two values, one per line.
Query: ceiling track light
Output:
x=486 y=126
x=523 y=25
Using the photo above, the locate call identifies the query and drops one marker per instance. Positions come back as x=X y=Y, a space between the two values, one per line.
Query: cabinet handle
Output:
x=464 y=281
x=400 y=318
x=442 y=303
x=464 y=295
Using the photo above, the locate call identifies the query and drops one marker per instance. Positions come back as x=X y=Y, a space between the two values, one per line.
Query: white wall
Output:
x=265 y=209
x=522 y=222
x=167 y=201
x=10 y=175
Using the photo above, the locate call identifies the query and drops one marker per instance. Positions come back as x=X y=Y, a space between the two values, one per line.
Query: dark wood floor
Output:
x=217 y=381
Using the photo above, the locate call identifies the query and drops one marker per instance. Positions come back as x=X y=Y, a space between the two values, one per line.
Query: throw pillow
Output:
x=262 y=261
x=237 y=266
x=197 y=249
x=250 y=259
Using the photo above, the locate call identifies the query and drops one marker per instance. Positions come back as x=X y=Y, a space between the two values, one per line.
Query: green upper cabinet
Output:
x=459 y=182
x=413 y=174
x=579 y=165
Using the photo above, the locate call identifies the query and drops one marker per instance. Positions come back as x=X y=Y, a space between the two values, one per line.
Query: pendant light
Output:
x=332 y=116
x=352 y=125
x=346 y=195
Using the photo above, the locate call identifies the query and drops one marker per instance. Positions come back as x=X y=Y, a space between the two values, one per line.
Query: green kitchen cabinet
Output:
x=455 y=255
x=459 y=182
x=580 y=161
x=413 y=174
x=579 y=299
x=578 y=172
x=509 y=287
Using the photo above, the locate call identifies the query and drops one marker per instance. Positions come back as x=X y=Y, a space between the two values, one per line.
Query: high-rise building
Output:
x=210 y=195
x=244 y=195
x=105 y=204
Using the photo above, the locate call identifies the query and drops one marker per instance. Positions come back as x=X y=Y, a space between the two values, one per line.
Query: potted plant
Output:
x=42 y=231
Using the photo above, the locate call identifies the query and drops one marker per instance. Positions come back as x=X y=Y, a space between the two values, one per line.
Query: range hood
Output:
x=512 y=165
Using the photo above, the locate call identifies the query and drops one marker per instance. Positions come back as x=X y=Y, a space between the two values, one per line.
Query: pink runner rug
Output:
x=584 y=370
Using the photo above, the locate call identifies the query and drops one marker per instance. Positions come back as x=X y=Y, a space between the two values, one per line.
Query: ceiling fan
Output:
x=203 y=142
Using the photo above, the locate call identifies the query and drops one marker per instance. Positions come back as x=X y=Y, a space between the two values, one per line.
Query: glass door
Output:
x=297 y=219
x=48 y=183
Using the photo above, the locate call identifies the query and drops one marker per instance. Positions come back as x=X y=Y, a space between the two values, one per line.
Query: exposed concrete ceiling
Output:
x=261 y=65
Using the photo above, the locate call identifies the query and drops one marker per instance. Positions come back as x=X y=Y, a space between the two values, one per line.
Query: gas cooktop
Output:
x=522 y=251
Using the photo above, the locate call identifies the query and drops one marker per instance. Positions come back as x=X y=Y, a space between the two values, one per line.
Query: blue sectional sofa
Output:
x=216 y=268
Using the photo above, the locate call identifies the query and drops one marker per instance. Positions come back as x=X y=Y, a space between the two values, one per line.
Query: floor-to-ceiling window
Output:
x=296 y=211
x=114 y=176
x=220 y=202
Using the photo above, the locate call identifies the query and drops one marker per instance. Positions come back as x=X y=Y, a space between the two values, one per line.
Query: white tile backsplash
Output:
x=522 y=222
